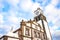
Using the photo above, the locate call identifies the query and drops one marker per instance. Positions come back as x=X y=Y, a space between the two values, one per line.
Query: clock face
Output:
x=37 y=12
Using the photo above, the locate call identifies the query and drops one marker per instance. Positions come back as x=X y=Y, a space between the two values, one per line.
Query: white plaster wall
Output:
x=47 y=30
x=1 y=39
x=25 y=38
x=40 y=24
x=24 y=31
x=33 y=32
x=38 y=28
x=33 y=26
x=28 y=24
x=30 y=33
x=12 y=39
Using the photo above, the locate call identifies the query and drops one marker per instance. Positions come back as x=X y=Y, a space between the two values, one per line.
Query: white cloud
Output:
x=54 y=2
x=57 y=33
x=53 y=29
x=5 y=26
x=13 y=19
x=25 y=4
x=50 y=9
x=35 y=6
x=13 y=2
x=13 y=16
x=28 y=5
x=58 y=23
x=0 y=35
x=4 y=29
x=21 y=18
x=1 y=6
x=1 y=19
x=44 y=1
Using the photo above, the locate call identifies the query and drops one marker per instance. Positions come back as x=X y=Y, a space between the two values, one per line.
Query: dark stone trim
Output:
x=6 y=37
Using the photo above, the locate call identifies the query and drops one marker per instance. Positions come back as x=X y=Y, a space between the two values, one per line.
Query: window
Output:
x=39 y=17
x=27 y=32
x=44 y=36
x=36 y=19
x=35 y=34
x=20 y=38
x=38 y=35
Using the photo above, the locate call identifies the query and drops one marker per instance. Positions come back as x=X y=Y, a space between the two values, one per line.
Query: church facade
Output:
x=36 y=29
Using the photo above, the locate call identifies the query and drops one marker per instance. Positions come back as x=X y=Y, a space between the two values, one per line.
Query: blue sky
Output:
x=13 y=11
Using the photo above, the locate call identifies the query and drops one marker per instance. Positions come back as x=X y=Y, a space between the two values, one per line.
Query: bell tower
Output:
x=41 y=19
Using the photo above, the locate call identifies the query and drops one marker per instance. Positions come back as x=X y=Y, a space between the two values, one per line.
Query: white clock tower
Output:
x=41 y=19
